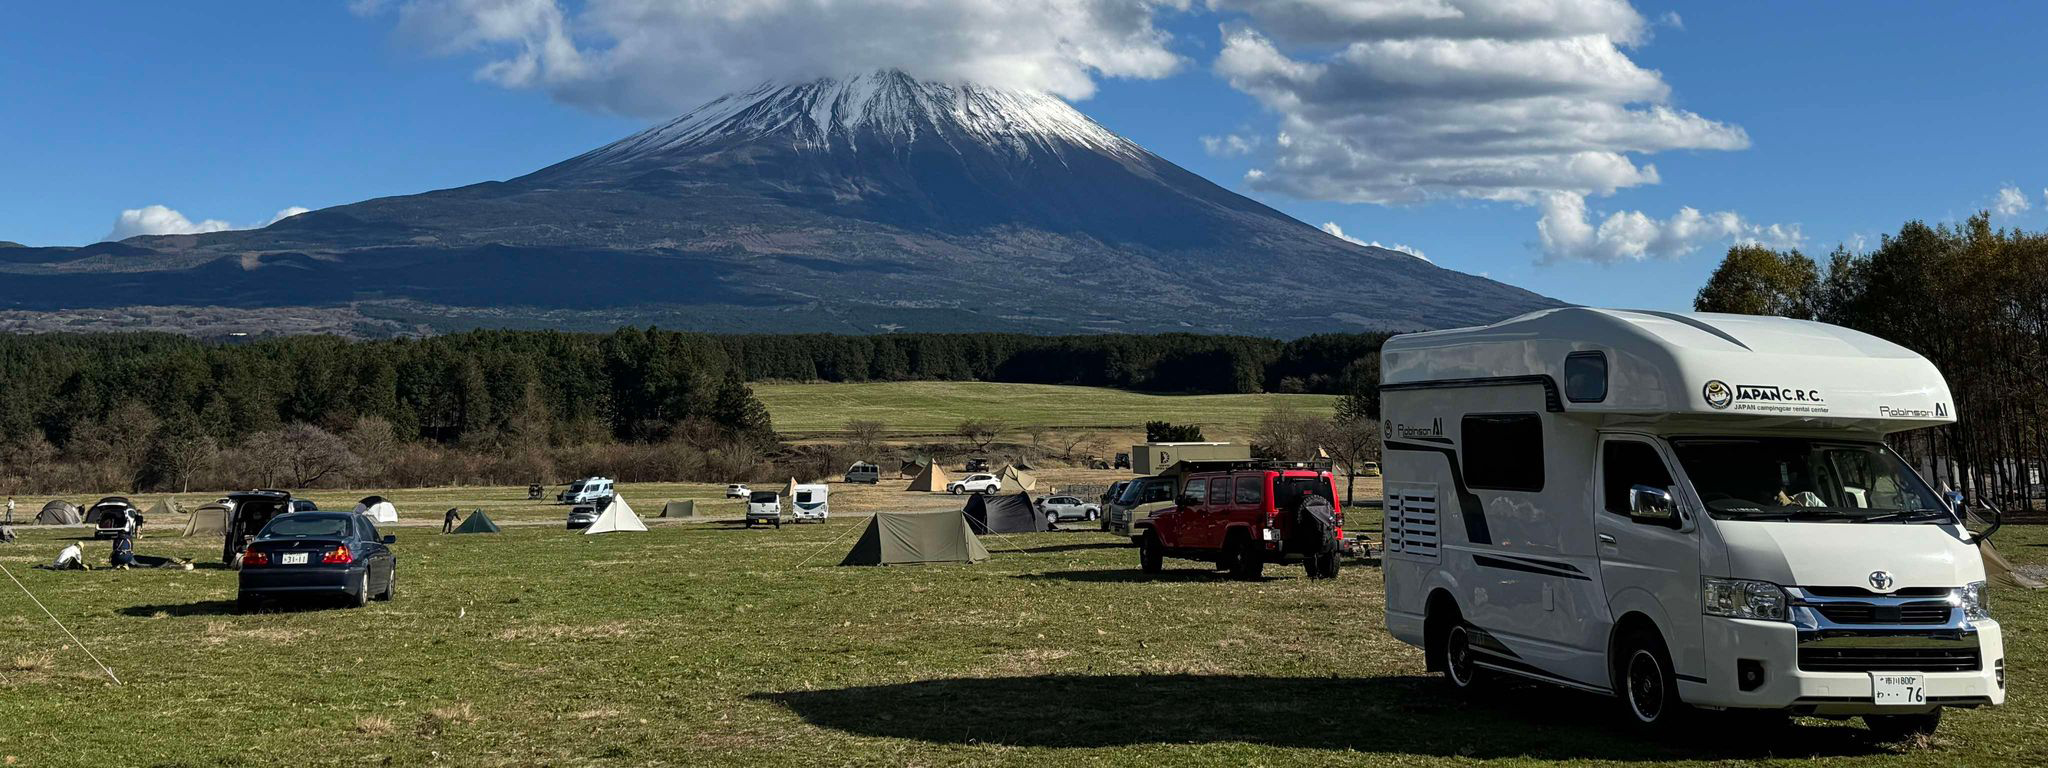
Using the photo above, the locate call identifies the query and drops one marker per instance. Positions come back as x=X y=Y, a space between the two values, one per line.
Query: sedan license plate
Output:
x=292 y=558
x=1898 y=689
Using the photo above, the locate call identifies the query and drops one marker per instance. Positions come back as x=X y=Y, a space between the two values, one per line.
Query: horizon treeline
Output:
x=153 y=411
x=1971 y=299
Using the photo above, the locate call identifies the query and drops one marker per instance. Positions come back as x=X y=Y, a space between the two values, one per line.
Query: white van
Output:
x=585 y=491
x=810 y=502
x=1682 y=510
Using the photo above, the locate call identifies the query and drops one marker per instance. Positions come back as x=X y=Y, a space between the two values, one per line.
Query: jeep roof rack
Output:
x=1232 y=465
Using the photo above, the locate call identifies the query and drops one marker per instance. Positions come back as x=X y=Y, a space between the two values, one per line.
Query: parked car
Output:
x=112 y=516
x=248 y=512
x=302 y=554
x=982 y=483
x=1123 y=461
x=737 y=491
x=1116 y=489
x=1140 y=499
x=1241 y=515
x=304 y=505
x=977 y=465
x=1369 y=468
x=586 y=490
x=764 y=507
x=1057 y=508
x=863 y=472
x=582 y=515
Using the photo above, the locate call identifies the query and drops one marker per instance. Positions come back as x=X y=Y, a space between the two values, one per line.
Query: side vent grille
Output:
x=1411 y=524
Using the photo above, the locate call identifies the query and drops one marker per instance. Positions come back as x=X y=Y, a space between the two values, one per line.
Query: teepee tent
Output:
x=210 y=518
x=617 y=517
x=377 y=509
x=59 y=512
x=1009 y=513
x=1017 y=482
x=931 y=480
x=685 y=508
x=478 y=522
x=916 y=537
x=163 y=507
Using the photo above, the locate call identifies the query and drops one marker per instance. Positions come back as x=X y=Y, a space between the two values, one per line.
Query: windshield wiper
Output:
x=1909 y=515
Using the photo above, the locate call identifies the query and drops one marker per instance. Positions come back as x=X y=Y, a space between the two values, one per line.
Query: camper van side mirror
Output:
x=1651 y=505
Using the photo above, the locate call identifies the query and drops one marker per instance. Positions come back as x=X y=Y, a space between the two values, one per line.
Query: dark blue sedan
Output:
x=318 y=554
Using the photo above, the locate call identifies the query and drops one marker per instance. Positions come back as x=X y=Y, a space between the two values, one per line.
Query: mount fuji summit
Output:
x=862 y=204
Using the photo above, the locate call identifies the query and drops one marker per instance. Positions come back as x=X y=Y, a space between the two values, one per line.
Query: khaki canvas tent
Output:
x=210 y=518
x=1010 y=513
x=1015 y=481
x=617 y=517
x=916 y=537
x=377 y=509
x=686 y=508
x=478 y=522
x=931 y=480
x=59 y=512
x=163 y=507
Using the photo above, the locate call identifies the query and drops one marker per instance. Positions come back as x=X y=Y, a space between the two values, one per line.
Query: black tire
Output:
x=1151 y=554
x=1246 y=564
x=750 y=522
x=1454 y=653
x=390 y=586
x=1895 y=728
x=246 y=603
x=1648 y=687
x=1322 y=565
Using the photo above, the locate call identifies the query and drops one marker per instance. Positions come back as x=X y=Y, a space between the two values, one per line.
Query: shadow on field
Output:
x=1133 y=575
x=227 y=608
x=1076 y=547
x=1399 y=715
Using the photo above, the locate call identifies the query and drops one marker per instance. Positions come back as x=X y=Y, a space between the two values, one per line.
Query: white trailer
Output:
x=810 y=501
x=1681 y=510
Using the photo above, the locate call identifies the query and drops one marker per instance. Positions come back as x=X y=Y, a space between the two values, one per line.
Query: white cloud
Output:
x=658 y=58
x=286 y=214
x=1568 y=233
x=1231 y=145
x=158 y=220
x=2011 y=201
x=1338 y=232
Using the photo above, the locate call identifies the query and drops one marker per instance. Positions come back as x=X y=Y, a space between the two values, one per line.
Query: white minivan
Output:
x=1681 y=510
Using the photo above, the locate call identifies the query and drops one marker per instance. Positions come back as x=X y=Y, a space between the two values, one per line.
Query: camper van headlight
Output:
x=1742 y=599
x=1976 y=601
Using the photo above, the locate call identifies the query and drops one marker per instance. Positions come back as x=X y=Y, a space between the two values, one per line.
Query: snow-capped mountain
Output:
x=858 y=204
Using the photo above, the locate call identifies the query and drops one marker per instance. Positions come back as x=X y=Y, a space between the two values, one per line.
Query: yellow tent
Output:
x=931 y=480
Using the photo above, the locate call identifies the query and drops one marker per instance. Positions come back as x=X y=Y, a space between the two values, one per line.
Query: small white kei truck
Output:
x=1681 y=510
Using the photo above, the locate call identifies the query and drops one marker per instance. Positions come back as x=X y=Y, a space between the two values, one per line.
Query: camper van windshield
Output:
x=576 y=486
x=1785 y=478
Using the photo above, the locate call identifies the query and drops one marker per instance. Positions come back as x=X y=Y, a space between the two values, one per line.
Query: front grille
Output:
x=1866 y=613
x=1889 y=659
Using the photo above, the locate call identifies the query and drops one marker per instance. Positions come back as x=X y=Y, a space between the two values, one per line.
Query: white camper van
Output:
x=810 y=502
x=1682 y=510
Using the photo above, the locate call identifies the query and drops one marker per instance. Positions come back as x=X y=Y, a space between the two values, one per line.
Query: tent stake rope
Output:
x=1004 y=539
x=60 y=625
x=828 y=545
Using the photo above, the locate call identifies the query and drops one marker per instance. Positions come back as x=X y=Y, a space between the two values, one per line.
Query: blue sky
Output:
x=1858 y=117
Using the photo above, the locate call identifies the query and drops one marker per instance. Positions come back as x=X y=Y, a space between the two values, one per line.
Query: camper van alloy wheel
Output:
x=1459 y=666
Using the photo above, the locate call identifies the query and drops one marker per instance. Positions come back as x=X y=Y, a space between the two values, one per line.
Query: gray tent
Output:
x=59 y=512
x=916 y=537
x=1009 y=513
x=685 y=508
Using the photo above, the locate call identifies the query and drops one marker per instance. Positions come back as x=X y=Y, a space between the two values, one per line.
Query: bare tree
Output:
x=863 y=436
x=1287 y=432
x=1353 y=442
x=300 y=455
x=1075 y=446
x=981 y=432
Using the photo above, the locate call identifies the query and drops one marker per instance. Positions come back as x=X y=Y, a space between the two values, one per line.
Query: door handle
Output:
x=1607 y=539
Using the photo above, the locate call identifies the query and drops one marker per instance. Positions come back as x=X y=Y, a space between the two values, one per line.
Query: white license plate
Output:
x=293 y=558
x=1896 y=689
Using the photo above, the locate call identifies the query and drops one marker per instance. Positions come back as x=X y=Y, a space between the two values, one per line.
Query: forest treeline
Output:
x=1970 y=298
x=157 y=411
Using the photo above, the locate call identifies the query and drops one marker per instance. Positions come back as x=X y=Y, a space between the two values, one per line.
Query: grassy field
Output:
x=709 y=644
x=936 y=407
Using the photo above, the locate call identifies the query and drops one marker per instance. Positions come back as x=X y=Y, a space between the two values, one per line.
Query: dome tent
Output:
x=378 y=509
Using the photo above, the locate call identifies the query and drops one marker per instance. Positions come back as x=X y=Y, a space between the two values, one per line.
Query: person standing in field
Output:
x=448 y=521
x=10 y=510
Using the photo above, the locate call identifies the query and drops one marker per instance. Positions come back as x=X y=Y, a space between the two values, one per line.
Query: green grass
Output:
x=936 y=407
x=706 y=644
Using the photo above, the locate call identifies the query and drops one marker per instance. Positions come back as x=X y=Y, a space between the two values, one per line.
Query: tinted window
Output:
x=761 y=497
x=369 y=529
x=803 y=497
x=1197 y=492
x=1504 y=452
x=1626 y=464
x=1251 y=490
x=1219 y=491
x=288 y=527
x=1585 y=377
x=1288 y=491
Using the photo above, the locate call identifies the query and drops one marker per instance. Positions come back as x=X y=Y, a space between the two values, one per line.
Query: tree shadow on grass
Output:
x=1394 y=715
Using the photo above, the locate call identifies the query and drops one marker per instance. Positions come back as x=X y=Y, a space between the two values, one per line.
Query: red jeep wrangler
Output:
x=1244 y=514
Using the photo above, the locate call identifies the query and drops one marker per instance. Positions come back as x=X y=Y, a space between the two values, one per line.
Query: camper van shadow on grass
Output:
x=1681 y=510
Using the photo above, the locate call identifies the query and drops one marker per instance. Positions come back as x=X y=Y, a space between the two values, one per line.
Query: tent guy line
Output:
x=60 y=625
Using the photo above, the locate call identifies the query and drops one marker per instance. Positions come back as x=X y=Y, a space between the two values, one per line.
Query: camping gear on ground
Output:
x=59 y=512
x=618 y=517
x=377 y=509
x=916 y=537
x=810 y=502
x=685 y=508
x=478 y=522
x=209 y=518
x=6 y=534
x=1016 y=481
x=535 y=491
x=931 y=480
x=1010 y=513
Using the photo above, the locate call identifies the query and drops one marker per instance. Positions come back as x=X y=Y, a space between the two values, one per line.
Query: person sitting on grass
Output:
x=124 y=557
x=71 y=559
x=448 y=521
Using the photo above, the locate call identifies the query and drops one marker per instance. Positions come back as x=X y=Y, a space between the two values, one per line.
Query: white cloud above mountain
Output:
x=1336 y=231
x=1569 y=234
x=658 y=58
x=164 y=220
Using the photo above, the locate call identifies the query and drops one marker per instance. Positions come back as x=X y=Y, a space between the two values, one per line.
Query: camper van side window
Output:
x=1585 y=377
x=1503 y=451
x=1626 y=464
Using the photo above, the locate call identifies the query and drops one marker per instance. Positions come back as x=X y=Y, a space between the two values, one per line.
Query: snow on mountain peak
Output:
x=849 y=113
